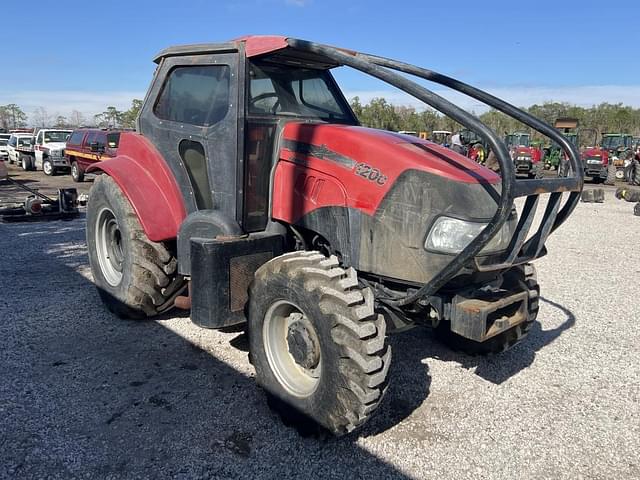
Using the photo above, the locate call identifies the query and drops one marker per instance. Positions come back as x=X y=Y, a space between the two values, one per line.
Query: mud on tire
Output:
x=634 y=172
x=139 y=278
x=351 y=374
x=524 y=276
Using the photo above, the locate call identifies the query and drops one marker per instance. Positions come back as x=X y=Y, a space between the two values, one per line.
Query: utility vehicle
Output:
x=251 y=194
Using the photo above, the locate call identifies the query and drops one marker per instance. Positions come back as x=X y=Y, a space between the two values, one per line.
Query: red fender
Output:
x=149 y=185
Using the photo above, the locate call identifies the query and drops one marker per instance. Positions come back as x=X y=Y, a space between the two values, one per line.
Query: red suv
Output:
x=89 y=145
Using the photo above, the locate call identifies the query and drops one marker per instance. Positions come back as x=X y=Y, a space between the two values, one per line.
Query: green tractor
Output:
x=553 y=153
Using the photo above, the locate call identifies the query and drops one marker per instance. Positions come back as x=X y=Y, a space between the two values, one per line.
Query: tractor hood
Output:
x=375 y=195
x=375 y=158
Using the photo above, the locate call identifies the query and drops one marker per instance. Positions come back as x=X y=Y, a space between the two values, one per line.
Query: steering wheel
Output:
x=264 y=96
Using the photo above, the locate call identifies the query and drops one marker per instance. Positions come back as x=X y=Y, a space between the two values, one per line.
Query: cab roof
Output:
x=275 y=46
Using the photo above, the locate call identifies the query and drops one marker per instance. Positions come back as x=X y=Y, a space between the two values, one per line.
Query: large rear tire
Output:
x=634 y=172
x=135 y=277
x=611 y=174
x=524 y=276
x=318 y=346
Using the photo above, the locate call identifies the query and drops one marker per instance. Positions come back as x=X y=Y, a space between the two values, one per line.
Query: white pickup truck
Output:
x=49 y=150
x=19 y=144
x=4 y=151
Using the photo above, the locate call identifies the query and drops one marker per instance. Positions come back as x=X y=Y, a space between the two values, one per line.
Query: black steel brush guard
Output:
x=520 y=249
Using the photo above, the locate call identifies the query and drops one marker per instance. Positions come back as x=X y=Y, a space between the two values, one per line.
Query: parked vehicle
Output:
x=18 y=145
x=49 y=150
x=252 y=182
x=4 y=140
x=87 y=146
x=526 y=158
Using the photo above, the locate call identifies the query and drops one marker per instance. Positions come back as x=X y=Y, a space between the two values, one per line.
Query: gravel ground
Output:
x=85 y=395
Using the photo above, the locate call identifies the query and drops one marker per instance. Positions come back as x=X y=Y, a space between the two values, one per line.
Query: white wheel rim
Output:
x=295 y=379
x=46 y=166
x=109 y=247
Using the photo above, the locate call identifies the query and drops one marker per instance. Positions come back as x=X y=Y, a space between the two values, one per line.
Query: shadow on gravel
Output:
x=85 y=394
x=501 y=367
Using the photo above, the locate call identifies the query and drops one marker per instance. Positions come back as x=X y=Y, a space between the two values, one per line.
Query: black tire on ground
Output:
x=524 y=276
x=338 y=377
x=634 y=172
x=48 y=168
x=76 y=172
x=135 y=277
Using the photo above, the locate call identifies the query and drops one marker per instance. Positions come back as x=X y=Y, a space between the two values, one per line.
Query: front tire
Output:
x=316 y=343
x=135 y=277
x=524 y=276
x=48 y=168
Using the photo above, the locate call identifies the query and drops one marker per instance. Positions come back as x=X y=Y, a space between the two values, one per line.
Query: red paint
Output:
x=147 y=182
x=595 y=152
x=260 y=44
x=534 y=153
x=389 y=153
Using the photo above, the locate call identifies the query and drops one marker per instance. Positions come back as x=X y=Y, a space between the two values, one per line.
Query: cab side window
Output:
x=196 y=95
x=39 y=138
x=76 y=138
x=91 y=138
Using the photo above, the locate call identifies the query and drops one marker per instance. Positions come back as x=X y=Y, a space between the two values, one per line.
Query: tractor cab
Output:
x=518 y=139
x=441 y=137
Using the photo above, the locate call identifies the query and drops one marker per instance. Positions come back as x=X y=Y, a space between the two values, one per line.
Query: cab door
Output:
x=191 y=116
x=38 y=150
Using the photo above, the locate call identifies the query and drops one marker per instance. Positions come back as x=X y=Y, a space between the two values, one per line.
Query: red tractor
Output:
x=527 y=158
x=250 y=185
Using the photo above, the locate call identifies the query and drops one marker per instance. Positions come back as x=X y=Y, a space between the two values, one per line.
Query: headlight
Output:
x=452 y=235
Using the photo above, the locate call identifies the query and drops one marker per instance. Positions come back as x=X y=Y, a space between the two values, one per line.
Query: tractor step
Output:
x=221 y=271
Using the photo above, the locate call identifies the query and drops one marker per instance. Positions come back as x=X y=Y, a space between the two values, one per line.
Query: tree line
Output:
x=602 y=118
x=12 y=116
x=378 y=113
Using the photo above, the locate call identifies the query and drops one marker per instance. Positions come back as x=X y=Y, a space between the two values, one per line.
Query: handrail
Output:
x=511 y=188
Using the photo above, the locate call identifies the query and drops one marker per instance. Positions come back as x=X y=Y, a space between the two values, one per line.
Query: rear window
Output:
x=25 y=141
x=76 y=138
x=195 y=95
x=3 y=142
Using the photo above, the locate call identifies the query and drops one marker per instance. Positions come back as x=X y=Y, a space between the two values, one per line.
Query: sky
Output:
x=79 y=55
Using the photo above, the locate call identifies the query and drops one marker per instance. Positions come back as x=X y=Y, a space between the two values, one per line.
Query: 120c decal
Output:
x=369 y=173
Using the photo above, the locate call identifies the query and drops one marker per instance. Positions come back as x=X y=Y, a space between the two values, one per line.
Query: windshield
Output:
x=281 y=90
x=24 y=142
x=518 y=140
x=611 y=142
x=572 y=137
x=56 y=136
